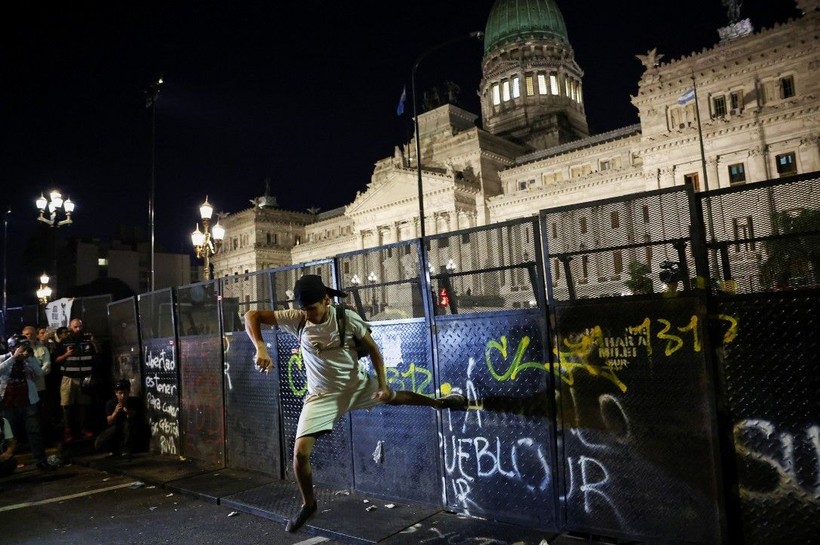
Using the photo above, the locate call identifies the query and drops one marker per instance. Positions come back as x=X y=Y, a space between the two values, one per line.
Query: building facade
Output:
x=743 y=111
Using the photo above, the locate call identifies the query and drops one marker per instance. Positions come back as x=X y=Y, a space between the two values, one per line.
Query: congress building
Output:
x=743 y=111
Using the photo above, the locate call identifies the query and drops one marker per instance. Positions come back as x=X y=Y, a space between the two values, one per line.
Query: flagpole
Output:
x=709 y=219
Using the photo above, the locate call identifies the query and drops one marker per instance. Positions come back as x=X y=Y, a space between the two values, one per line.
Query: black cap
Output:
x=310 y=289
x=122 y=386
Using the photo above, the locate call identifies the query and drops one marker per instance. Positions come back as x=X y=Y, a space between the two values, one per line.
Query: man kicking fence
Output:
x=336 y=382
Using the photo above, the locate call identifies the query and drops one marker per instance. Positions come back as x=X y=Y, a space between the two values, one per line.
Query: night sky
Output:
x=303 y=93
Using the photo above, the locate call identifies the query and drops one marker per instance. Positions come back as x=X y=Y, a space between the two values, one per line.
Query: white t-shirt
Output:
x=7 y=433
x=330 y=368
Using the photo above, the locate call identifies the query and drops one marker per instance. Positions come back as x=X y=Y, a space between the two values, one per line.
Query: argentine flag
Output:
x=687 y=96
x=402 y=100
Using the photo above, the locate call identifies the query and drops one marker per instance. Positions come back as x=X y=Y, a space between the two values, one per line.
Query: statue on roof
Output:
x=732 y=10
x=266 y=201
x=652 y=59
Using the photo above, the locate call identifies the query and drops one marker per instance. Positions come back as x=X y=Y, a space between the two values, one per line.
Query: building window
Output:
x=737 y=174
x=556 y=270
x=554 y=84
x=346 y=267
x=583 y=225
x=585 y=267
x=692 y=179
x=645 y=214
x=465 y=238
x=516 y=87
x=505 y=90
x=554 y=230
x=496 y=95
x=542 y=84
x=617 y=262
x=529 y=83
x=719 y=106
x=605 y=165
x=615 y=219
x=787 y=87
x=786 y=165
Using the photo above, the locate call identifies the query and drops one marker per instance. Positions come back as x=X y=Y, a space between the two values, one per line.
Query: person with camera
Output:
x=122 y=414
x=43 y=357
x=76 y=355
x=18 y=391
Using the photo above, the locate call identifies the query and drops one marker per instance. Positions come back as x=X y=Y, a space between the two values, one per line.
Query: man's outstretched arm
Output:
x=253 y=328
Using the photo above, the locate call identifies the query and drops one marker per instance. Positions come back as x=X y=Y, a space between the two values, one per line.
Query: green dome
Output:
x=513 y=20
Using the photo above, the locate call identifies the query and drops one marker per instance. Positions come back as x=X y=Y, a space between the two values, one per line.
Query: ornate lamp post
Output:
x=43 y=295
x=55 y=212
x=208 y=241
x=55 y=205
x=44 y=292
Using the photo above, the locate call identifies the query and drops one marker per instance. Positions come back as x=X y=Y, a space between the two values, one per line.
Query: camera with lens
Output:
x=670 y=272
x=17 y=340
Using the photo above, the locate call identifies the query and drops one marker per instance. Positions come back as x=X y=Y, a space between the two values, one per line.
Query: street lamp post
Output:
x=151 y=95
x=374 y=301
x=208 y=241
x=5 y=264
x=448 y=284
x=55 y=212
x=479 y=36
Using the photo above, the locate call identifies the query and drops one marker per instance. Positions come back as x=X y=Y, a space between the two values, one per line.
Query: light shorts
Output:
x=320 y=412
x=71 y=393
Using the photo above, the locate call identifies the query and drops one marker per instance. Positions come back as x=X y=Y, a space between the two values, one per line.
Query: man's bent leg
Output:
x=407 y=397
x=302 y=450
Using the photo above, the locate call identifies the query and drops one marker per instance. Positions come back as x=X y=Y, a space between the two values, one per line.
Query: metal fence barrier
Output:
x=600 y=413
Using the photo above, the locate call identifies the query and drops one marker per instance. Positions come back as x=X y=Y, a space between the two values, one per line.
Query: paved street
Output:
x=76 y=504
x=84 y=504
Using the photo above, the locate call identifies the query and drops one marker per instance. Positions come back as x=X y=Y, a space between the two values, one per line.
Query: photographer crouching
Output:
x=18 y=391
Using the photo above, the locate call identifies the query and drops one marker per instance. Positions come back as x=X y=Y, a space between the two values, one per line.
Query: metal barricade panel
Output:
x=498 y=456
x=201 y=372
x=160 y=370
x=161 y=385
x=394 y=446
x=201 y=396
x=637 y=420
x=332 y=459
x=125 y=344
x=252 y=419
x=769 y=350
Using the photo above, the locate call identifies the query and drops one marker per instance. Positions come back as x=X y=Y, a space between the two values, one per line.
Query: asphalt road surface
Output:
x=78 y=505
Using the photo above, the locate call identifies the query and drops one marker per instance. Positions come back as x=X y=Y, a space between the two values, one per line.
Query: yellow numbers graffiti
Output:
x=516 y=366
x=731 y=333
x=419 y=379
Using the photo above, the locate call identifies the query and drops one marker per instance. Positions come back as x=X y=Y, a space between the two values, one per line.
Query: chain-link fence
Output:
x=765 y=236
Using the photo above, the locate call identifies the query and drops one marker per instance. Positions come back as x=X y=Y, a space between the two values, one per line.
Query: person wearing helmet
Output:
x=18 y=391
x=122 y=414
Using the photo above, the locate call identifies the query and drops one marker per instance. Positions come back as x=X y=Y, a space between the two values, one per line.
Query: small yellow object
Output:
x=446 y=388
